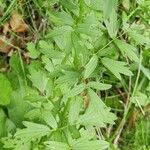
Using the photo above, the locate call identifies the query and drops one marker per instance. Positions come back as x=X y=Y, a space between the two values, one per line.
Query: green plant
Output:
x=84 y=76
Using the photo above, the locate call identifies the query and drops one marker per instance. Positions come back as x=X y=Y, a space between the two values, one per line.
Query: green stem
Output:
x=127 y=107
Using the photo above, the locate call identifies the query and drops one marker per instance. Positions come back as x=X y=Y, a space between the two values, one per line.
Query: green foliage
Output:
x=116 y=67
x=6 y=90
x=90 y=67
x=86 y=73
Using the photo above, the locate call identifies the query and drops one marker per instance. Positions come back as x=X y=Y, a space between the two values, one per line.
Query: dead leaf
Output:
x=126 y=4
x=4 y=48
x=21 y=1
x=6 y=28
x=17 y=23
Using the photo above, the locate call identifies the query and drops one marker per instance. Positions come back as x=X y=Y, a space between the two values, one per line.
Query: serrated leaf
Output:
x=32 y=131
x=99 y=86
x=5 y=90
x=109 y=7
x=33 y=114
x=34 y=97
x=128 y=49
x=61 y=18
x=110 y=16
x=70 y=77
x=89 y=27
x=139 y=38
x=140 y=99
x=100 y=108
x=90 y=67
x=97 y=114
x=116 y=67
x=71 y=6
x=74 y=110
x=18 y=107
x=91 y=118
x=62 y=37
x=83 y=144
x=81 y=53
x=54 y=145
x=112 y=25
x=75 y=134
x=95 y=4
x=48 y=64
x=49 y=119
x=39 y=79
x=47 y=49
x=146 y=71
x=33 y=52
x=57 y=31
x=76 y=90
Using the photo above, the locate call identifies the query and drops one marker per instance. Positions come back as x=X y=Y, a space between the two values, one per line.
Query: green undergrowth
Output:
x=84 y=83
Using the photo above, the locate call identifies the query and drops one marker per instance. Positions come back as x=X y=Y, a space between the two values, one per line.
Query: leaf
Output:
x=126 y=4
x=17 y=23
x=70 y=78
x=74 y=110
x=146 y=71
x=128 y=49
x=100 y=108
x=71 y=6
x=110 y=16
x=39 y=79
x=83 y=144
x=75 y=134
x=61 y=18
x=5 y=28
x=32 y=131
x=81 y=53
x=49 y=119
x=139 y=38
x=99 y=86
x=95 y=4
x=48 y=64
x=76 y=90
x=90 y=66
x=45 y=46
x=49 y=88
x=47 y=49
x=109 y=7
x=34 y=97
x=62 y=36
x=17 y=65
x=4 y=47
x=33 y=114
x=112 y=25
x=63 y=41
x=18 y=107
x=33 y=52
x=54 y=145
x=2 y=123
x=57 y=31
x=15 y=144
x=5 y=90
x=116 y=67
x=91 y=118
x=140 y=99
x=97 y=114
x=90 y=27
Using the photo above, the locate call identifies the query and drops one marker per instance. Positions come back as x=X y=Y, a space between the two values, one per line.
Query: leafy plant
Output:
x=75 y=85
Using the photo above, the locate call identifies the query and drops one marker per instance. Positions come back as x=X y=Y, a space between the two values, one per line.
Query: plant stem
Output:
x=128 y=104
